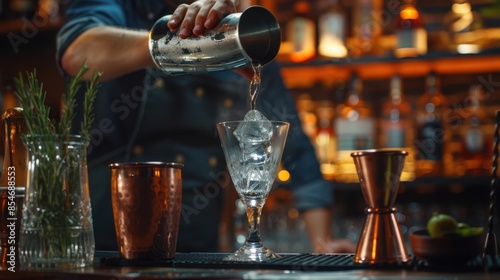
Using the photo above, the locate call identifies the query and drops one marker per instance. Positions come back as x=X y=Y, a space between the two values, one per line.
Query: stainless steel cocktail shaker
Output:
x=239 y=39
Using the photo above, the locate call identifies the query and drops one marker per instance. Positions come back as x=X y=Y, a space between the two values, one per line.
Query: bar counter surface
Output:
x=108 y=265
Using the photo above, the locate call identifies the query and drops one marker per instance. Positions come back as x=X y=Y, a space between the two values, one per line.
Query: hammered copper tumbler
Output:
x=146 y=199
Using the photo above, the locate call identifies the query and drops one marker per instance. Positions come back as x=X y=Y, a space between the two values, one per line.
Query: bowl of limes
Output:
x=446 y=241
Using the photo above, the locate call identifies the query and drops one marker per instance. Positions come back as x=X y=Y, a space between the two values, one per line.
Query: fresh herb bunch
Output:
x=57 y=202
x=31 y=96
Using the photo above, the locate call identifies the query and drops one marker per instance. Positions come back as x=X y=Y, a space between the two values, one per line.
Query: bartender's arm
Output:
x=117 y=51
x=114 y=51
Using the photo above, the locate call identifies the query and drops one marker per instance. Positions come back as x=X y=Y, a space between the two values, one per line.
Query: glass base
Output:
x=252 y=254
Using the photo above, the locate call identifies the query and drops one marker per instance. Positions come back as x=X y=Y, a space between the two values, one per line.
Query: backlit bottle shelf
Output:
x=369 y=68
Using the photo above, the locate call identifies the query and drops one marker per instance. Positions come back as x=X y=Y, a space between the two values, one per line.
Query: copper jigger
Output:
x=379 y=173
x=146 y=199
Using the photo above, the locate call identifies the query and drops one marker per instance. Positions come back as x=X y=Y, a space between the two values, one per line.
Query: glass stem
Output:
x=253 y=214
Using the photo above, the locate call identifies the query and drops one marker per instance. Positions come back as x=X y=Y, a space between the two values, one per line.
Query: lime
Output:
x=462 y=226
x=441 y=224
x=470 y=231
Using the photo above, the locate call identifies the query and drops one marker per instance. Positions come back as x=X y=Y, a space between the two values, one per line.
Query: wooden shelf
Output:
x=371 y=68
x=30 y=27
x=481 y=182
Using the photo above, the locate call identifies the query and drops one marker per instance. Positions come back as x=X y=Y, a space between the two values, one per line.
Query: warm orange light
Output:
x=293 y=213
x=283 y=175
x=302 y=56
x=409 y=13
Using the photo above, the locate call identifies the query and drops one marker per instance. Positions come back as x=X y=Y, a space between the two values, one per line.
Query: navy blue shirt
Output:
x=151 y=116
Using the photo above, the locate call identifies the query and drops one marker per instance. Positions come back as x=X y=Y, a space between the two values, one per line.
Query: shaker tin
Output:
x=239 y=39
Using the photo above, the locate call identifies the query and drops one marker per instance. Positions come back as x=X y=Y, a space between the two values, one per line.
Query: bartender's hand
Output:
x=318 y=223
x=195 y=18
x=200 y=15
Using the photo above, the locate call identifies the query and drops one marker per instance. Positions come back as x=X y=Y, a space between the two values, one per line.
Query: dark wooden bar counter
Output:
x=108 y=265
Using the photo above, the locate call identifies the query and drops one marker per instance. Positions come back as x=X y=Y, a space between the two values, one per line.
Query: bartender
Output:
x=143 y=114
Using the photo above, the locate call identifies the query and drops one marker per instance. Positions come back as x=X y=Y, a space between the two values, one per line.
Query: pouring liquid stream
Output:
x=255 y=84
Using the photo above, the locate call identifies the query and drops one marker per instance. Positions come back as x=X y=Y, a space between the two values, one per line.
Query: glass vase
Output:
x=56 y=228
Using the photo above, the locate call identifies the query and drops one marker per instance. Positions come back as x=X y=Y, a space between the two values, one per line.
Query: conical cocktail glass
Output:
x=253 y=152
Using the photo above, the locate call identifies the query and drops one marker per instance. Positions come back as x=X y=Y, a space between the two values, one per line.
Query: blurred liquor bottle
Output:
x=465 y=28
x=476 y=142
x=410 y=32
x=301 y=32
x=355 y=130
x=23 y=8
x=332 y=29
x=325 y=143
x=9 y=99
x=15 y=153
x=432 y=130
x=13 y=177
x=397 y=128
x=366 y=28
x=307 y=116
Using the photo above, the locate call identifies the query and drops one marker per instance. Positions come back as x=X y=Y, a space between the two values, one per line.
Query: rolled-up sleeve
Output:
x=82 y=15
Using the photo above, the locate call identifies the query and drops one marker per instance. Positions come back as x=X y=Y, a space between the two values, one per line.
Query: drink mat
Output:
x=301 y=262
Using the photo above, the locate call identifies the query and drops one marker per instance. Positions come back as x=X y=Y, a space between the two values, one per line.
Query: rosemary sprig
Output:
x=31 y=95
x=88 y=102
